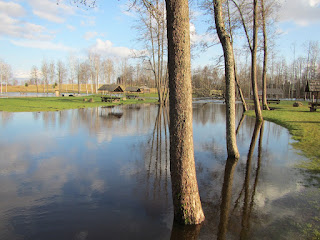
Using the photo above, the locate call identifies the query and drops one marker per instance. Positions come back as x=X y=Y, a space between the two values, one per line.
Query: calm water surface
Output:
x=103 y=173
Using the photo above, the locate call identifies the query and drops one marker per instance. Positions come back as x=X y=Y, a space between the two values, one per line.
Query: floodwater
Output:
x=103 y=173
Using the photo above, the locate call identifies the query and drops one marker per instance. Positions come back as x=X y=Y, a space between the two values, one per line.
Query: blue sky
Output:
x=33 y=30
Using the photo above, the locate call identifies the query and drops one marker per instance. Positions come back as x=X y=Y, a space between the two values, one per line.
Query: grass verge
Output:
x=37 y=104
x=303 y=125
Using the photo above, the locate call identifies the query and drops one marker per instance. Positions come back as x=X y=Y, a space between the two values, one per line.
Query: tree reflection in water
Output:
x=158 y=165
x=226 y=193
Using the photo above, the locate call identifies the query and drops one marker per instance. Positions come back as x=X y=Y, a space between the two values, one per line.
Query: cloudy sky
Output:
x=33 y=30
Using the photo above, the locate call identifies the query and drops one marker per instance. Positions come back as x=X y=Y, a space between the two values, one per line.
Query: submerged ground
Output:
x=103 y=172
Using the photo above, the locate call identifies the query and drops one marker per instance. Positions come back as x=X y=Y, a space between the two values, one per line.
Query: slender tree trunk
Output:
x=244 y=104
x=230 y=80
x=185 y=193
x=257 y=108
x=265 y=59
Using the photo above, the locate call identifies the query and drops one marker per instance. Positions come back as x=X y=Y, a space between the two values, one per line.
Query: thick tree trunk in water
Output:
x=265 y=59
x=257 y=108
x=230 y=80
x=185 y=194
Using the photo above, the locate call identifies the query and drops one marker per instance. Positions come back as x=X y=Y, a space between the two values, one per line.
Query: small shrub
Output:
x=26 y=84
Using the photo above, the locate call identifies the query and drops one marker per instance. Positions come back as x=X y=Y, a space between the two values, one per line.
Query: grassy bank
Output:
x=36 y=104
x=303 y=125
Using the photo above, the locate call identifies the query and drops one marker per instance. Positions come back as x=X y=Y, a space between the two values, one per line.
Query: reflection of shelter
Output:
x=313 y=87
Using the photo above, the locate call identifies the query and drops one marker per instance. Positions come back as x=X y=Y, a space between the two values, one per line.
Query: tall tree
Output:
x=45 y=75
x=229 y=79
x=253 y=45
x=52 y=72
x=35 y=76
x=185 y=193
x=257 y=108
x=265 y=57
x=61 y=73
x=153 y=25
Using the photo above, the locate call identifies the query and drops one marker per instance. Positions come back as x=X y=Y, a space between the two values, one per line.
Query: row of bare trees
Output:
x=5 y=75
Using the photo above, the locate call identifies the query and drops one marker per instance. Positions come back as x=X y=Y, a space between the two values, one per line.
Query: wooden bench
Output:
x=110 y=99
x=277 y=101
x=132 y=96
x=313 y=106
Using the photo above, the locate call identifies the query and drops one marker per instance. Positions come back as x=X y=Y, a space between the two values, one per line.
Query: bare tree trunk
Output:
x=185 y=193
x=257 y=108
x=265 y=59
x=230 y=80
x=244 y=104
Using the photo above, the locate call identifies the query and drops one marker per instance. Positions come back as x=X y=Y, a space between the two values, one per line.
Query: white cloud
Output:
x=44 y=45
x=302 y=12
x=71 y=28
x=202 y=38
x=11 y=9
x=19 y=29
x=90 y=35
x=89 y=22
x=50 y=10
x=107 y=48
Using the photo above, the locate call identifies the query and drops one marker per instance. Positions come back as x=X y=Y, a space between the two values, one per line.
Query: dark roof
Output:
x=133 y=89
x=111 y=88
x=313 y=86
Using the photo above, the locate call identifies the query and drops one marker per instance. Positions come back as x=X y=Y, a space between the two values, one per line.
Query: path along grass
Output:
x=303 y=125
x=37 y=104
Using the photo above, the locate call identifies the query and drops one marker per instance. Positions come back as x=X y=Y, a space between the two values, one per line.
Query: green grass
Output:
x=39 y=104
x=303 y=125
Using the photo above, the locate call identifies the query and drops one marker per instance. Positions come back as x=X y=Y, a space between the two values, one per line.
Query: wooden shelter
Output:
x=144 y=89
x=313 y=87
x=112 y=88
x=134 y=90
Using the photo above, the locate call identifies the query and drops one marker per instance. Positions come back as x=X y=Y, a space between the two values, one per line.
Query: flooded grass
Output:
x=304 y=127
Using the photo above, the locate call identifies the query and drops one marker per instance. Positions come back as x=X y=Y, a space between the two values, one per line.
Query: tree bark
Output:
x=230 y=80
x=185 y=193
x=257 y=108
x=265 y=59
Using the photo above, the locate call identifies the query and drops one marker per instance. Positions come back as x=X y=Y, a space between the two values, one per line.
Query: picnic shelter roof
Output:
x=313 y=86
x=111 y=88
